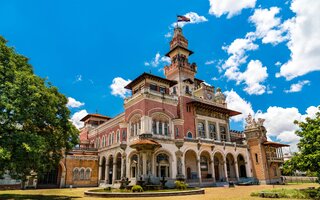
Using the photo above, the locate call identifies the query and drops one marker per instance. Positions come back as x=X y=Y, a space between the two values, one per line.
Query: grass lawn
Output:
x=239 y=192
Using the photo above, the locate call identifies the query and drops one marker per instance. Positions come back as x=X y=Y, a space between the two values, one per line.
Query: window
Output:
x=124 y=134
x=177 y=131
x=187 y=90
x=103 y=141
x=154 y=126
x=112 y=137
x=160 y=125
x=118 y=136
x=201 y=130
x=162 y=165
x=212 y=131
x=135 y=125
x=134 y=165
x=174 y=90
x=166 y=128
x=87 y=174
x=81 y=174
x=160 y=128
x=223 y=133
x=256 y=155
x=153 y=87
x=75 y=174
x=189 y=134
x=162 y=90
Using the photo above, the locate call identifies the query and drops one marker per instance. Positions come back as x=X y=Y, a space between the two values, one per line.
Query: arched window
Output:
x=118 y=136
x=201 y=130
x=223 y=133
x=160 y=128
x=162 y=165
x=154 y=126
x=124 y=134
x=75 y=174
x=112 y=137
x=134 y=166
x=103 y=141
x=212 y=131
x=87 y=175
x=81 y=174
x=160 y=124
x=135 y=125
x=189 y=135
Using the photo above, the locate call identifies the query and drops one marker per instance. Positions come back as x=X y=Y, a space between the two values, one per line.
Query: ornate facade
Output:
x=175 y=127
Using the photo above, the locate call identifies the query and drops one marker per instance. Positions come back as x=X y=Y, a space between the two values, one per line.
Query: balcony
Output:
x=151 y=94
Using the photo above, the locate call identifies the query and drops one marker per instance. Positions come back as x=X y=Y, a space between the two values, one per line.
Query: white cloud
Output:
x=157 y=60
x=78 y=78
x=72 y=103
x=194 y=19
x=117 y=87
x=229 y=7
x=253 y=76
x=168 y=35
x=279 y=123
x=277 y=63
x=209 y=62
x=304 y=40
x=77 y=116
x=235 y=102
x=297 y=87
x=237 y=50
x=268 y=26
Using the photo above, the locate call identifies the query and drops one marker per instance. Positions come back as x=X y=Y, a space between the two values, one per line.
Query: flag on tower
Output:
x=181 y=18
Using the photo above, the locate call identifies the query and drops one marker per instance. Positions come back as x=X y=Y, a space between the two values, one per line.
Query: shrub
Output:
x=180 y=185
x=107 y=189
x=137 y=188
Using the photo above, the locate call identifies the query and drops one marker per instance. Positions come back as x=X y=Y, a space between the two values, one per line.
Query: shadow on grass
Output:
x=35 y=196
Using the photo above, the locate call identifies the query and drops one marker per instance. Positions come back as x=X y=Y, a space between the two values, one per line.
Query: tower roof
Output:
x=178 y=41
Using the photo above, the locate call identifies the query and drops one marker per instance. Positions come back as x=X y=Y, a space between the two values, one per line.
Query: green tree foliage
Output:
x=308 y=157
x=34 y=121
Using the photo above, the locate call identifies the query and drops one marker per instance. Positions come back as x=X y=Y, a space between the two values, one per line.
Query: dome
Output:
x=219 y=96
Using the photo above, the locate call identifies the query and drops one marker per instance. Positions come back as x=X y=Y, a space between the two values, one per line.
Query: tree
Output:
x=34 y=121
x=308 y=157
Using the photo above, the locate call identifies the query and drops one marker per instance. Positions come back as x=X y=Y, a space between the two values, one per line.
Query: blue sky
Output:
x=264 y=54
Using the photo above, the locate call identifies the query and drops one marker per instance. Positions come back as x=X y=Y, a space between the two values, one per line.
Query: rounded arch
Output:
x=165 y=151
x=118 y=160
x=153 y=111
x=133 y=164
x=231 y=167
x=218 y=164
x=241 y=166
x=205 y=164
x=191 y=166
x=103 y=168
x=134 y=112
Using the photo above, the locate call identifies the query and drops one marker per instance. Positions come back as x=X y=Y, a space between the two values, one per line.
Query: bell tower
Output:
x=180 y=69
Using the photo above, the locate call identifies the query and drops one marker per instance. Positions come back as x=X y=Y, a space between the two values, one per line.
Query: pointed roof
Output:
x=178 y=41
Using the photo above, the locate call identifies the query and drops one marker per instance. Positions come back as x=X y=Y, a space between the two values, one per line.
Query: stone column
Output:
x=218 y=131
x=199 y=171
x=123 y=165
x=225 y=170
x=100 y=172
x=212 y=171
x=237 y=170
x=106 y=176
x=207 y=129
x=114 y=170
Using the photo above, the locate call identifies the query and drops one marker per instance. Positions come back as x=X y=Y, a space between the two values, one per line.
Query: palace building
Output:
x=176 y=127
